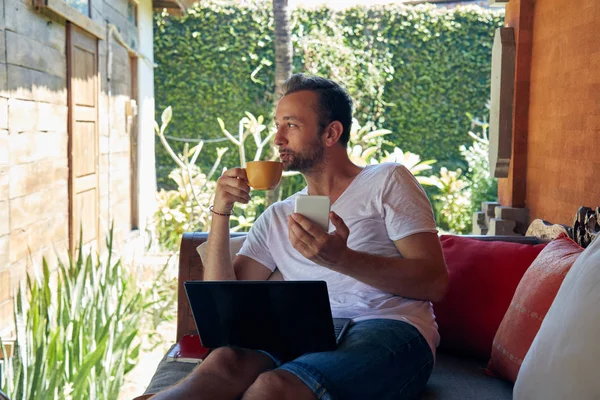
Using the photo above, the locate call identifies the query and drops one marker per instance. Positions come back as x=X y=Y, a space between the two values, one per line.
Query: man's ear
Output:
x=333 y=133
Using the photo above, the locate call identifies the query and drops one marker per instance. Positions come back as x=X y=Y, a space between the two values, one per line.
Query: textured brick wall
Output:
x=564 y=115
x=33 y=145
x=33 y=139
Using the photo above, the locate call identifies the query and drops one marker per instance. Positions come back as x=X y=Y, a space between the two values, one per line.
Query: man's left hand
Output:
x=326 y=249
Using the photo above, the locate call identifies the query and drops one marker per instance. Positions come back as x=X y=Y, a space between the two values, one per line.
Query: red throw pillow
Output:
x=529 y=306
x=482 y=278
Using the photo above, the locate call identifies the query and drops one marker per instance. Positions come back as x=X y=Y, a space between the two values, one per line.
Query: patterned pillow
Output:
x=529 y=305
x=562 y=362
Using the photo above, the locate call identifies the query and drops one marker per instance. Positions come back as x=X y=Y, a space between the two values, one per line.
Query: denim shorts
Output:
x=376 y=359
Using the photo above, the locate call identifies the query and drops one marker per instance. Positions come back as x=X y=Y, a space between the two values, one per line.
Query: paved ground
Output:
x=155 y=341
x=139 y=378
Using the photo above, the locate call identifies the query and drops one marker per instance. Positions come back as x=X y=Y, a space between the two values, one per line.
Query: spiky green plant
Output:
x=75 y=330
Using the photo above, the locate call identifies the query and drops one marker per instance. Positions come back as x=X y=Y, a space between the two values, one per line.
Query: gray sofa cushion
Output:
x=453 y=378
x=460 y=378
x=167 y=374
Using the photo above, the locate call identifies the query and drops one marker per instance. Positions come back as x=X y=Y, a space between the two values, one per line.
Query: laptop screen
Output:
x=288 y=317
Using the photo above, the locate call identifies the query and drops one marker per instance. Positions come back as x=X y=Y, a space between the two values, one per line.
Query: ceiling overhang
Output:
x=174 y=6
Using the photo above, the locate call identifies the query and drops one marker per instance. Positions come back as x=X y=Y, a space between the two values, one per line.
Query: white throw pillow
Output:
x=235 y=245
x=562 y=362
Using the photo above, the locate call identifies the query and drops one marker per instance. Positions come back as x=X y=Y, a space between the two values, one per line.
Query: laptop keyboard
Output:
x=338 y=327
x=337 y=330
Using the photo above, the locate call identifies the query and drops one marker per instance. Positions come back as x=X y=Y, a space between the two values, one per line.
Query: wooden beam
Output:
x=164 y=4
x=178 y=6
x=66 y=12
x=501 y=108
x=512 y=190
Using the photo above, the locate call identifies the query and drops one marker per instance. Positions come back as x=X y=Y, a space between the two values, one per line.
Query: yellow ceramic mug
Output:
x=264 y=175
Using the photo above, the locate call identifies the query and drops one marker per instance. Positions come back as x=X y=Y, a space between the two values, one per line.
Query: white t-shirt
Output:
x=382 y=204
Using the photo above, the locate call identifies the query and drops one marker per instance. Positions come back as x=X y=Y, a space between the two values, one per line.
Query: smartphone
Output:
x=315 y=208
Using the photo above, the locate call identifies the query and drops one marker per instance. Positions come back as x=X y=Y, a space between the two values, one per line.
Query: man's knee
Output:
x=224 y=361
x=272 y=381
x=278 y=385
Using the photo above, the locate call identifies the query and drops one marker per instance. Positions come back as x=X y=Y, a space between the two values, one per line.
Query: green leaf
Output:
x=80 y=384
x=166 y=116
x=378 y=133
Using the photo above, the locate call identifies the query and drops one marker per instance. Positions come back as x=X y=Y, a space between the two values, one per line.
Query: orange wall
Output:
x=556 y=121
x=563 y=141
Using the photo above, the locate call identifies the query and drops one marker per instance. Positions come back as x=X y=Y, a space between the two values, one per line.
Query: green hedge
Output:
x=414 y=70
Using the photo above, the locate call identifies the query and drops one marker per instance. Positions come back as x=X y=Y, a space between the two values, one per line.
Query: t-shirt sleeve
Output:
x=407 y=209
x=255 y=246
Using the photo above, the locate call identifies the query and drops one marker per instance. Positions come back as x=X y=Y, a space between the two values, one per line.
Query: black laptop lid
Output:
x=288 y=317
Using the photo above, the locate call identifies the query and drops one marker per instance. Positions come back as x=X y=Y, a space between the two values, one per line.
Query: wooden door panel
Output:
x=85 y=215
x=83 y=39
x=86 y=183
x=83 y=136
x=85 y=113
x=84 y=148
x=83 y=77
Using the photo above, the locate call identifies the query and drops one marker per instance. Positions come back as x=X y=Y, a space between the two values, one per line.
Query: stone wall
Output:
x=34 y=171
x=497 y=220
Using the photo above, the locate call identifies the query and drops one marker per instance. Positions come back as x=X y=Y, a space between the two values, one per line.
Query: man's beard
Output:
x=305 y=161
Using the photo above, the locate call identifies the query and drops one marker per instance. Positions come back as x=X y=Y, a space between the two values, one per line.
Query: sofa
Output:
x=458 y=373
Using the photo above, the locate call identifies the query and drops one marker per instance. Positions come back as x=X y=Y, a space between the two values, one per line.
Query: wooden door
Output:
x=82 y=86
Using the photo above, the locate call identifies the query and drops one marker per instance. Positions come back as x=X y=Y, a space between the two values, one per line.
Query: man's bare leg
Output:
x=225 y=374
x=278 y=385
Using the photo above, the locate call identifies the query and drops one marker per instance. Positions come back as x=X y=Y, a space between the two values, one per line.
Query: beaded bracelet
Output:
x=218 y=213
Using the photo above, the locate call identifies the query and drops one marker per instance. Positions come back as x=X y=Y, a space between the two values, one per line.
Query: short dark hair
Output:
x=335 y=104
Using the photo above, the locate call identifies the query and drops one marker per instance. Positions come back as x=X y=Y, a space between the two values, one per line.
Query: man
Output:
x=383 y=265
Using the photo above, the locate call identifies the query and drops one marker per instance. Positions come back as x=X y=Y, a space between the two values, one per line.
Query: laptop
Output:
x=288 y=318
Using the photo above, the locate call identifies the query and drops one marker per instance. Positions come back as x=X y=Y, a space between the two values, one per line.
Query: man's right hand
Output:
x=232 y=187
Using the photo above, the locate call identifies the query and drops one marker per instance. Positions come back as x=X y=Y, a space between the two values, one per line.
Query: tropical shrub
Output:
x=75 y=336
x=160 y=303
x=484 y=187
x=453 y=202
x=366 y=143
x=461 y=194
x=185 y=209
